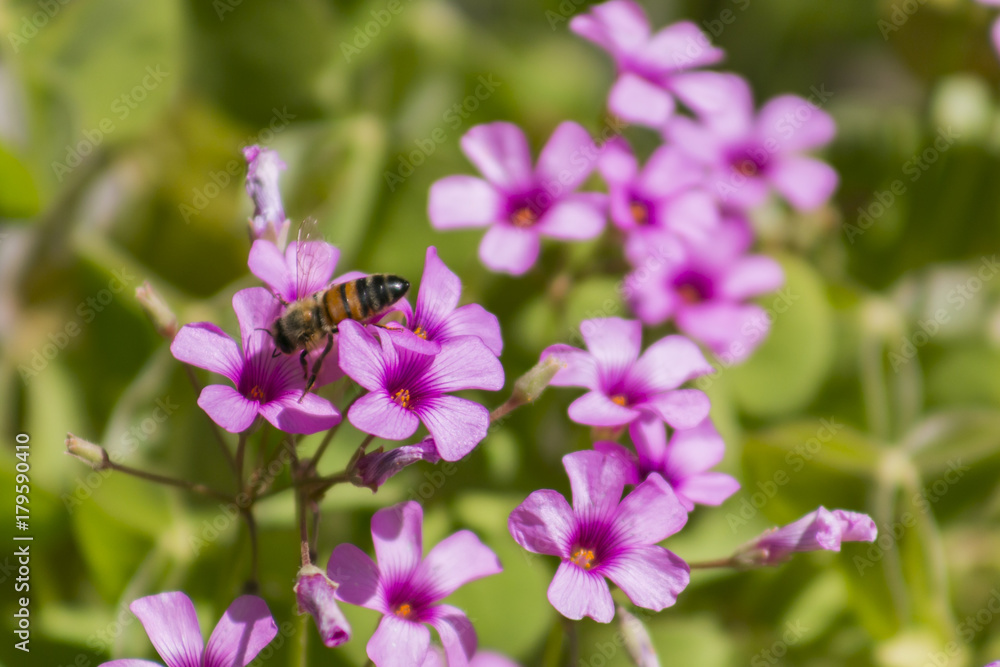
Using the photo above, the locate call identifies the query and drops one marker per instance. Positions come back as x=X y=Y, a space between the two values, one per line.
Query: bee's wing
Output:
x=314 y=260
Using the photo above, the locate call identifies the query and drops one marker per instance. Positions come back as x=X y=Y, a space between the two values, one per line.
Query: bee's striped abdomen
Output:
x=363 y=298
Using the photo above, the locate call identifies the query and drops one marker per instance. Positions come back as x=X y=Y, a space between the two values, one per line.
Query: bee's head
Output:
x=281 y=339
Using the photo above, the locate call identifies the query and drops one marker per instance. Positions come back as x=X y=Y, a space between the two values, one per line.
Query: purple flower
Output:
x=704 y=288
x=684 y=462
x=437 y=318
x=301 y=271
x=748 y=155
x=604 y=536
x=624 y=386
x=375 y=468
x=520 y=202
x=265 y=385
x=269 y=221
x=435 y=658
x=172 y=626
x=665 y=195
x=316 y=595
x=651 y=68
x=820 y=529
x=406 y=587
x=407 y=387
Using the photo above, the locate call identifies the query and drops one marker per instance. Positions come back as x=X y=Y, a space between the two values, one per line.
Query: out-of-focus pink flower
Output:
x=684 y=462
x=705 y=287
x=652 y=68
x=748 y=154
x=375 y=468
x=520 y=203
x=268 y=221
x=603 y=535
x=407 y=388
x=821 y=529
x=406 y=587
x=316 y=595
x=624 y=386
x=265 y=385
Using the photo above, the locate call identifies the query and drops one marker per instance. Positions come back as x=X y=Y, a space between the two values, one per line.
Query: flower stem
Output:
x=708 y=564
x=215 y=427
x=511 y=404
x=251 y=585
x=169 y=481
x=240 y=455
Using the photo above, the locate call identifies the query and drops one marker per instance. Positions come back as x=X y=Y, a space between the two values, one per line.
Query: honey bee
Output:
x=306 y=322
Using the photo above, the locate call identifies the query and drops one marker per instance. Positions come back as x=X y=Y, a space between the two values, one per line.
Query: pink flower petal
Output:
x=316 y=595
x=207 y=346
x=693 y=215
x=695 y=139
x=731 y=330
x=256 y=308
x=268 y=264
x=453 y=562
x=130 y=662
x=750 y=276
x=575 y=593
x=579 y=368
x=617 y=163
x=397 y=532
x=172 y=626
x=463 y=201
x=357 y=577
x=597 y=482
x=575 y=217
x=650 y=576
x=693 y=450
x=543 y=523
x=473 y=320
x=491 y=659
x=681 y=408
x=669 y=171
x=567 y=159
x=680 y=46
x=804 y=181
x=464 y=363
x=500 y=152
x=618 y=26
x=651 y=513
x=360 y=357
x=719 y=97
x=311 y=414
x=227 y=407
x=457 y=634
x=241 y=633
x=669 y=363
x=795 y=123
x=439 y=292
x=637 y=100
x=399 y=643
x=706 y=488
x=508 y=249
x=310 y=265
x=855 y=526
x=614 y=343
x=595 y=409
x=649 y=437
x=376 y=413
x=457 y=424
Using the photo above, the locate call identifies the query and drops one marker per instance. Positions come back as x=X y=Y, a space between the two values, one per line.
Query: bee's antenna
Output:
x=267 y=331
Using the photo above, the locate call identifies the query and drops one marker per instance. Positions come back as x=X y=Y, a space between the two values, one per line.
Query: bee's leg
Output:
x=317 y=365
x=305 y=364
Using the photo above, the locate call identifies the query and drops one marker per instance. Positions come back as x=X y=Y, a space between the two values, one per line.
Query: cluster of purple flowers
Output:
x=683 y=216
x=684 y=212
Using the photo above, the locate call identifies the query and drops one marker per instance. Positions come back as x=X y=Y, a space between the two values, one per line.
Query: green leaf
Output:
x=111 y=549
x=19 y=195
x=786 y=371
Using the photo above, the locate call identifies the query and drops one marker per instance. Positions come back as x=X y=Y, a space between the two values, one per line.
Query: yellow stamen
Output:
x=402 y=397
x=619 y=399
x=689 y=294
x=404 y=610
x=421 y=332
x=523 y=217
x=257 y=394
x=583 y=558
x=639 y=212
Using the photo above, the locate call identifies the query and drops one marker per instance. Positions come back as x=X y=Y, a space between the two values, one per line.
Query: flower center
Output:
x=421 y=332
x=402 y=397
x=523 y=217
x=750 y=160
x=640 y=213
x=583 y=557
x=404 y=610
x=619 y=399
x=257 y=394
x=693 y=287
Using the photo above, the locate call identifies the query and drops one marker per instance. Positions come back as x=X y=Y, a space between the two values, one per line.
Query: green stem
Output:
x=169 y=481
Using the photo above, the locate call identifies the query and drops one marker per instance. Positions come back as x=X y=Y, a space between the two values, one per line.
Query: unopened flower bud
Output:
x=268 y=221
x=819 y=530
x=637 y=641
x=93 y=455
x=374 y=469
x=157 y=310
x=530 y=386
x=316 y=596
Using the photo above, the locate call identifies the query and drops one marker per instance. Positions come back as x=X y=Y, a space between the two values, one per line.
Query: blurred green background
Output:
x=121 y=123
